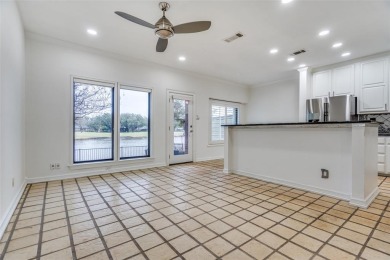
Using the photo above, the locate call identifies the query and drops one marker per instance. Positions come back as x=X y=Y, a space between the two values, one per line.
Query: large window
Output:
x=222 y=113
x=98 y=133
x=93 y=112
x=134 y=123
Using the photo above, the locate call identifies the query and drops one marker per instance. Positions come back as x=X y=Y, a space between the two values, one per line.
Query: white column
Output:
x=227 y=150
x=304 y=91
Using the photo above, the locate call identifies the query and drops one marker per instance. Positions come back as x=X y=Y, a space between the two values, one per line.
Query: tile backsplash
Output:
x=384 y=128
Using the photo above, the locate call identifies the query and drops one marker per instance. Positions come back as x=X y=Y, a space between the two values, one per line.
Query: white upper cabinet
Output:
x=322 y=83
x=343 y=82
x=373 y=82
x=335 y=82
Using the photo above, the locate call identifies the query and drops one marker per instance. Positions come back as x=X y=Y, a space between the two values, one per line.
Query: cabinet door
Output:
x=374 y=72
x=374 y=86
x=321 y=84
x=373 y=98
x=343 y=81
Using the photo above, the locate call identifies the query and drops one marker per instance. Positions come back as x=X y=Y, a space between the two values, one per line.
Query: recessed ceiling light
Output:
x=345 y=54
x=273 y=51
x=302 y=65
x=92 y=32
x=182 y=58
x=337 y=44
x=286 y=1
x=290 y=59
x=323 y=33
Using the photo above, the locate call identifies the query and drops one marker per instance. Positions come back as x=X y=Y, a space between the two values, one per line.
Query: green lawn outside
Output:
x=88 y=135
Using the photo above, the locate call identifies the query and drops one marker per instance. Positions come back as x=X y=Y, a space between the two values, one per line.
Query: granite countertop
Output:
x=312 y=124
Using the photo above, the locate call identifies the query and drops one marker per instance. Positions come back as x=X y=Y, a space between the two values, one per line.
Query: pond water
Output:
x=93 y=143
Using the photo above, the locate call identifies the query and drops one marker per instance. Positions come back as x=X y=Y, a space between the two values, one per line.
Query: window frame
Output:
x=225 y=104
x=116 y=160
x=141 y=89
x=113 y=111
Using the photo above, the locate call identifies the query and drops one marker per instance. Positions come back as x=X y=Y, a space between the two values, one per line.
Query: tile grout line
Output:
x=280 y=205
x=94 y=221
x=192 y=218
x=373 y=230
x=235 y=247
x=219 y=219
x=15 y=223
x=72 y=246
x=195 y=184
x=42 y=222
x=140 y=215
x=120 y=221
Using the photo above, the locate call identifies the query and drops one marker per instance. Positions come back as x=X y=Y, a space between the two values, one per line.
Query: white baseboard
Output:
x=367 y=201
x=92 y=172
x=201 y=159
x=10 y=210
x=330 y=193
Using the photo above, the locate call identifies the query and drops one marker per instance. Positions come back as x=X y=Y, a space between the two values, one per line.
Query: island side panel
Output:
x=294 y=156
x=364 y=165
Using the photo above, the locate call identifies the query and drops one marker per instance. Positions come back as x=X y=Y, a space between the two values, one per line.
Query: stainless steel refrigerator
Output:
x=341 y=108
x=338 y=108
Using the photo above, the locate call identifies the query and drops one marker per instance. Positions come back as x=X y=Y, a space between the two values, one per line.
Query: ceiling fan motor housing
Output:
x=164 y=28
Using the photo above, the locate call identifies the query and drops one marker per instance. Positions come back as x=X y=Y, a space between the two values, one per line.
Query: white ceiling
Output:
x=363 y=27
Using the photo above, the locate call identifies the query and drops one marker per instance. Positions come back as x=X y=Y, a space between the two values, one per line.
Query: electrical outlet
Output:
x=52 y=166
x=324 y=173
x=57 y=165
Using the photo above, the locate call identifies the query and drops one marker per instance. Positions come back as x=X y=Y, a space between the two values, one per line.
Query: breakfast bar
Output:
x=337 y=159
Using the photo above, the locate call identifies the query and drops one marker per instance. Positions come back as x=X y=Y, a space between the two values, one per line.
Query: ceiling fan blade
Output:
x=193 y=27
x=161 y=45
x=134 y=19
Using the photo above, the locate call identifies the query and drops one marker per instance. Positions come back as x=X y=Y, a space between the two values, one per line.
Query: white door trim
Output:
x=168 y=143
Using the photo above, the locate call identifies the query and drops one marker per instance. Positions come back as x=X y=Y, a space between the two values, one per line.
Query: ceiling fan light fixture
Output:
x=164 y=28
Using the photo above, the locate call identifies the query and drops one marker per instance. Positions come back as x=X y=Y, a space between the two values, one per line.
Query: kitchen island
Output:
x=296 y=155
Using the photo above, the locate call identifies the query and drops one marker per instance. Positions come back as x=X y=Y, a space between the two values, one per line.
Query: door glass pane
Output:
x=93 y=121
x=134 y=123
x=181 y=127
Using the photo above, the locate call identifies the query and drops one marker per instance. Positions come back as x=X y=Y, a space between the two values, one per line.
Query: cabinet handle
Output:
x=329 y=94
x=333 y=93
x=385 y=106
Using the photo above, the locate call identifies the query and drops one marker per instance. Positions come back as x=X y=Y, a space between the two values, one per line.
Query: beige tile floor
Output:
x=191 y=211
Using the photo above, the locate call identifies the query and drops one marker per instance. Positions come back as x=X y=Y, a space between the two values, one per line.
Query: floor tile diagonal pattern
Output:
x=191 y=211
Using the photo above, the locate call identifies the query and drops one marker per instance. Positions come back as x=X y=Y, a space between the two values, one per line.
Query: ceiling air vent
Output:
x=234 y=37
x=298 y=52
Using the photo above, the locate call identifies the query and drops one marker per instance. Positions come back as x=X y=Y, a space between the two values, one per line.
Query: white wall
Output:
x=50 y=64
x=276 y=102
x=12 y=140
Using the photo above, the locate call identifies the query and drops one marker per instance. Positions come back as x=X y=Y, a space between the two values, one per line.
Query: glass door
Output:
x=181 y=128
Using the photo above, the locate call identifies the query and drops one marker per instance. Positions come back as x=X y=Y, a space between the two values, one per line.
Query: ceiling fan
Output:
x=164 y=28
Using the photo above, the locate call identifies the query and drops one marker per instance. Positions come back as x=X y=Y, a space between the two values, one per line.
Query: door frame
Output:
x=168 y=121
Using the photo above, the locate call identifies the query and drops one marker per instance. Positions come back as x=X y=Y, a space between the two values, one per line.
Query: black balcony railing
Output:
x=96 y=154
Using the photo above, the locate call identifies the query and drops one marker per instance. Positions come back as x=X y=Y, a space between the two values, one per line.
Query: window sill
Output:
x=108 y=165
